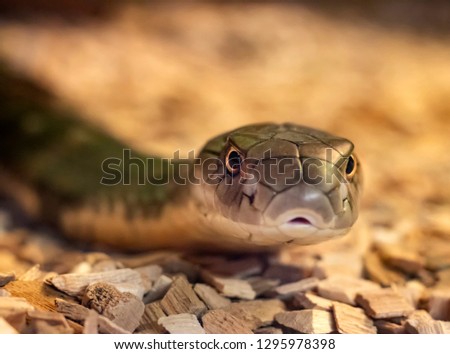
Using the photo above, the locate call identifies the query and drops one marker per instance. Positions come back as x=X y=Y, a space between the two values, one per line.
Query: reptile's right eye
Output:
x=350 y=169
x=233 y=161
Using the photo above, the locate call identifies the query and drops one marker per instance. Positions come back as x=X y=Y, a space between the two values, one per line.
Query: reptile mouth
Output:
x=300 y=220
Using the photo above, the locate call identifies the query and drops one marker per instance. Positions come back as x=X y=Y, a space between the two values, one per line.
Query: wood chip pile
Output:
x=321 y=289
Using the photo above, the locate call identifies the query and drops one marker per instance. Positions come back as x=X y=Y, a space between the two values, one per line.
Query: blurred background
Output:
x=167 y=76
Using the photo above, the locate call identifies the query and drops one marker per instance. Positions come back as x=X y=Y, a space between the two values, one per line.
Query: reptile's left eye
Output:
x=233 y=161
x=350 y=169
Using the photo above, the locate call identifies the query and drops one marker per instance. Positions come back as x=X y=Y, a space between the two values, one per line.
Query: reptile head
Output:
x=270 y=184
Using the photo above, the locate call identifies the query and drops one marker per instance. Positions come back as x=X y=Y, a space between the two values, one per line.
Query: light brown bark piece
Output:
x=263 y=310
x=46 y=322
x=439 y=304
x=6 y=328
x=210 y=296
x=183 y=323
x=288 y=290
x=307 y=321
x=397 y=256
x=5 y=278
x=222 y=322
x=343 y=288
x=79 y=313
x=351 y=319
x=181 y=298
x=159 y=289
x=312 y=301
x=378 y=272
x=420 y=322
x=149 y=321
x=230 y=287
x=384 y=303
x=75 y=284
x=124 y=309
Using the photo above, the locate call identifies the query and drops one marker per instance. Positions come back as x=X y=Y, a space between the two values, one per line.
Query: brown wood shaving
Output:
x=182 y=323
x=181 y=298
x=222 y=322
x=384 y=303
x=307 y=321
x=351 y=319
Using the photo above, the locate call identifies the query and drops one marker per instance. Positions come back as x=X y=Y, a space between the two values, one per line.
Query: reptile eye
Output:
x=350 y=169
x=233 y=161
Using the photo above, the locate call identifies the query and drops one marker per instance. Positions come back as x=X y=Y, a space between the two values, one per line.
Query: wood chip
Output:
x=35 y=273
x=210 y=296
x=222 y=322
x=6 y=328
x=384 y=303
x=251 y=320
x=312 y=301
x=91 y=323
x=158 y=290
x=46 y=322
x=268 y=330
x=16 y=318
x=183 y=323
x=263 y=310
x=413 y=291
x=75 y=284
x=307 y=321
x=176 y=266
x=378 y=272
x=230 y=287
x=289 y=289
x=15 y=303
x=124 y=309
x=150 y=272
x=79 y=313
x=5 y=278
x=149 y=321
x=386 y=327
x=347 y=263
x=285 y=273
x=343 y=288
x=397 y=256
x=439 y=304
x=262 y=285
x=240 y=268
x=181 y=298
x=351 y=319
x=420 y=322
